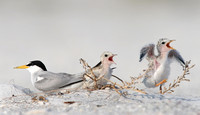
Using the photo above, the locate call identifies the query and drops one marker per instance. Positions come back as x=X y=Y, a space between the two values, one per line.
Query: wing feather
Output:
x=175 y=54
x=147 y=51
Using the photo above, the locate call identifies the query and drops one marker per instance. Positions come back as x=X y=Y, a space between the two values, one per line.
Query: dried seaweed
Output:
x=69 y=102
x=40 y=98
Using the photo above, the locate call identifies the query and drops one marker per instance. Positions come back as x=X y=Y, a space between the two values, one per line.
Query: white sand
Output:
x=105 y=102
x=8 y=90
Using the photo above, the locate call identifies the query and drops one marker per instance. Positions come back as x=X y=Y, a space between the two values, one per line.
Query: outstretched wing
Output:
x=175 y=54
x=147 y=51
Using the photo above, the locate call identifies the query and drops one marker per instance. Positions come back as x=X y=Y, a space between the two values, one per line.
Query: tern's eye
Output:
x=163 y=42
x=106 y=55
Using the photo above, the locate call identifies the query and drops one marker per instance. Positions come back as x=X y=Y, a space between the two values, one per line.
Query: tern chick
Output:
x=159 y=64
x=102 y=69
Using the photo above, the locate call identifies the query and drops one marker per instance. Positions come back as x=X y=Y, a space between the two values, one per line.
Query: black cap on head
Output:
x=37 y=63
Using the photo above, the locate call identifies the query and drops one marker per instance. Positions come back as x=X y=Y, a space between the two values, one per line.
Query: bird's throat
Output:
x=106 y=66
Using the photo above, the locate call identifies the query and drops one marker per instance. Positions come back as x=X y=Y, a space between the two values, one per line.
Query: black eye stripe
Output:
x=30 y=64
x=37 y=63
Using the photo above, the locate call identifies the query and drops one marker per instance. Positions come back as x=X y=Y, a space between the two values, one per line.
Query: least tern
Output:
x=45 y=80
x=102 y=69
x=160 y=63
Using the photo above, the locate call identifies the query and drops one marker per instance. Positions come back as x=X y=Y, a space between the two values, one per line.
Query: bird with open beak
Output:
x=159 y=64
x=103 y=68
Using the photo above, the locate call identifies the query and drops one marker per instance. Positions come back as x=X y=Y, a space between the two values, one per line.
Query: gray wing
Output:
x=147 y=51
x=53 y=81
x=175 y=54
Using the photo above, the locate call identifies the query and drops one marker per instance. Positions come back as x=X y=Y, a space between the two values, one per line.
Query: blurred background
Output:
x=60 y=32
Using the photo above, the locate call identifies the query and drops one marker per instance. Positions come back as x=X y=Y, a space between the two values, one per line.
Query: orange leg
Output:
x=160 y=83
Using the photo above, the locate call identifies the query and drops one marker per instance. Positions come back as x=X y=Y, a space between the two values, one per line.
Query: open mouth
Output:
x=111 y=58
x=168 y=44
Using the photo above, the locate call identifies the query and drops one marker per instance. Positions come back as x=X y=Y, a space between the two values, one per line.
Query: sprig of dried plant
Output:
x=137 y=80
x=176 y=83
x=90 y=74
x=126 y=85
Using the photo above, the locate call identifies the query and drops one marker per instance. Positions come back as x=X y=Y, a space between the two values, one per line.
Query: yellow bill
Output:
x=21 y=67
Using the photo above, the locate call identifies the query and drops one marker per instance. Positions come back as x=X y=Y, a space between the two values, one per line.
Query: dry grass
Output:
x=176 y=83
x=134 y=80
x=90 y=74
